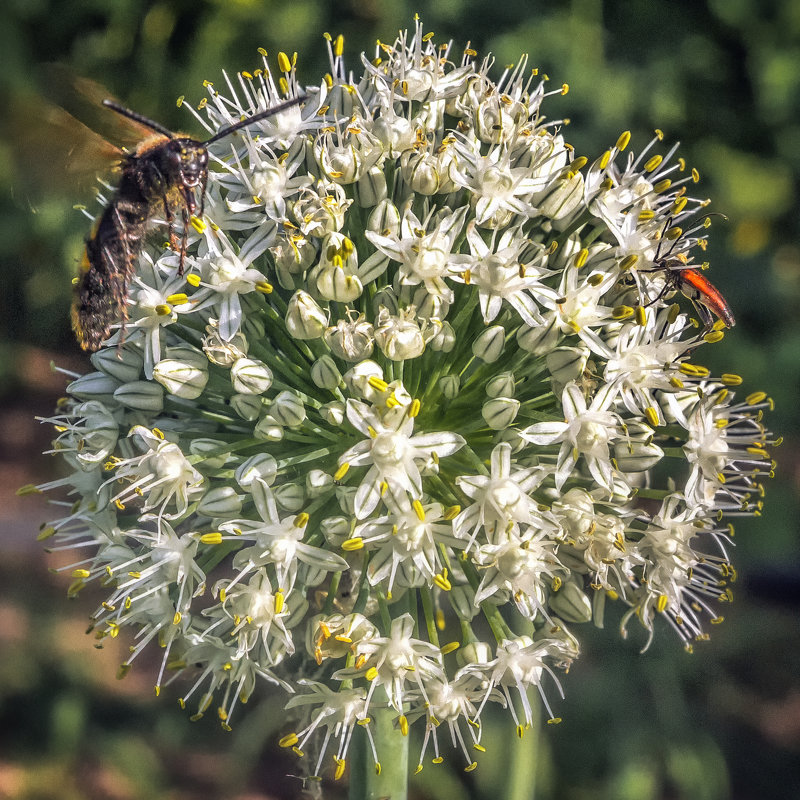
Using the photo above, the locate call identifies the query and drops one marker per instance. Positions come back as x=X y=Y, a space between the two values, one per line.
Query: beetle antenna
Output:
x=255 y=118
x=142 y=120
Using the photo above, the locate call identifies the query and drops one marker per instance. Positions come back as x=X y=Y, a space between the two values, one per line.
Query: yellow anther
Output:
x=413 y=409
x=629 y=262
x=265 y=287
x=450 y=647
x=27 y=490
x=755 y=398
x=442 y=582
x=695 y=175
x=403 y=723
x=338 y=45
x=163 y=309
x=622 y=312
x=301 y=520
x=661 y=603
x=564 y=88
x=662 y=186
x=652 y=416
x=379 y=384
x=198 y=224
x=473 y=766
x=284 y=65
x=279 y=601
x=371 y=673
x=177 y=299
x=341 y=472
x=580 y=258
x=624 y=140
x=419 y=510
x=351 y=545
x=653 y=163
x=641 y=316
x=193 y=279
x=176 y=619
x=211 y=538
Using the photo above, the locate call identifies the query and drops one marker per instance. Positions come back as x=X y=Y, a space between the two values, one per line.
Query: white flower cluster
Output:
x=421 y=403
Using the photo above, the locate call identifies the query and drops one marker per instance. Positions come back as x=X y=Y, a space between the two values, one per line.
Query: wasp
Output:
x=166 y=173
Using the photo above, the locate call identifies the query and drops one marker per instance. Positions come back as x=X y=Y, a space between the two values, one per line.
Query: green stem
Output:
x=524 y=757
x=367 y=782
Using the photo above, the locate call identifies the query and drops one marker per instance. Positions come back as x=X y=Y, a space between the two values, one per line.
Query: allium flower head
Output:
x=424 y=402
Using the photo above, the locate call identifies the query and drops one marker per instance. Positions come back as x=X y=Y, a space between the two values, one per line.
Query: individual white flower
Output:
x=586 y=431
x=392 y=454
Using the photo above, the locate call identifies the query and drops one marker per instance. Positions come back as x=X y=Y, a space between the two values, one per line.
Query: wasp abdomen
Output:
x=108 y=263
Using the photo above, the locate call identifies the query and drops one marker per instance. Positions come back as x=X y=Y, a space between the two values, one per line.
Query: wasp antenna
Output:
x=142 y=120
x=255 y=118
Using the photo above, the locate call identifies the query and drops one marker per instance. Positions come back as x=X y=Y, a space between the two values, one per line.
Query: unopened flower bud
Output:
x=250 y=376
x=539 y=340
x=449 y=386
x=141 y=396
x=94 y=386
x=500 y=412
x=420 y=171
x=269 y=429
x=571 y=603
x=335 y=530
x=223 y=501
x=288 y=410
x=181 y=378
x=304 y=318
x=474 y=653
x=445 y=339
x=501 y=385
x=566 y=198
x=247 y=406
x=192 y=356
x=333 y=413
x=261 y=467
x=318 y=482
x=566 y=364
x=371 y=188
x=384 y=219
x=462 y=599
x=325 y=373
x=336 y=283
x=489 y=344
x=214 y=452
x=123 y=363
x=290 y=496
x=637 y=456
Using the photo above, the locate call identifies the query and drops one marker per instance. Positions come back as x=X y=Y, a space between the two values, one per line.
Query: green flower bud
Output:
x=288 y=410
x=637 y=456
x=325 y=373
x=250 y=376
x=538 y=341
x=333 y=413
x=269 y=429
x=304 y=318
x=445 y=339
x=141 y=396
x=420 y=171
x=474 y=653
x=181 y=378
x=571 y=603
x=462 y=599
x=449 y=386
x=384 y=219
x=261 y=466
x=489 y=344
x=565 y=365
x=205 y=447
x=247 y=406
x=501 y=385
x=318 y=483
x=124 y=363
x=500 y=412
x=371 y=188
x=566 y=198
x=222 y=501
x=290 y=496
x=189 y=355
x=94 y=386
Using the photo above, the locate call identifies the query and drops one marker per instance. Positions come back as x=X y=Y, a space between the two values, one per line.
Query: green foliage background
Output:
x=723 y=77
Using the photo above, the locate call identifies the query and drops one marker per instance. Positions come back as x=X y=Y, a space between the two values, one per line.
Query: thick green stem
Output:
x=523 y=761
x=390 y=781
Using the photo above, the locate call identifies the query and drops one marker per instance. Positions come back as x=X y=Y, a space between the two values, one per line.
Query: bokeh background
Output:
x=721 y=76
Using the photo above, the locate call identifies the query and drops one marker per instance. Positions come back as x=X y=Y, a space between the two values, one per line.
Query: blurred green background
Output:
x=723 y=77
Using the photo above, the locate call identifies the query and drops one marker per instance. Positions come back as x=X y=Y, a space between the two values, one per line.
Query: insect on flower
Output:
x=167 y=172
x=693 y=285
